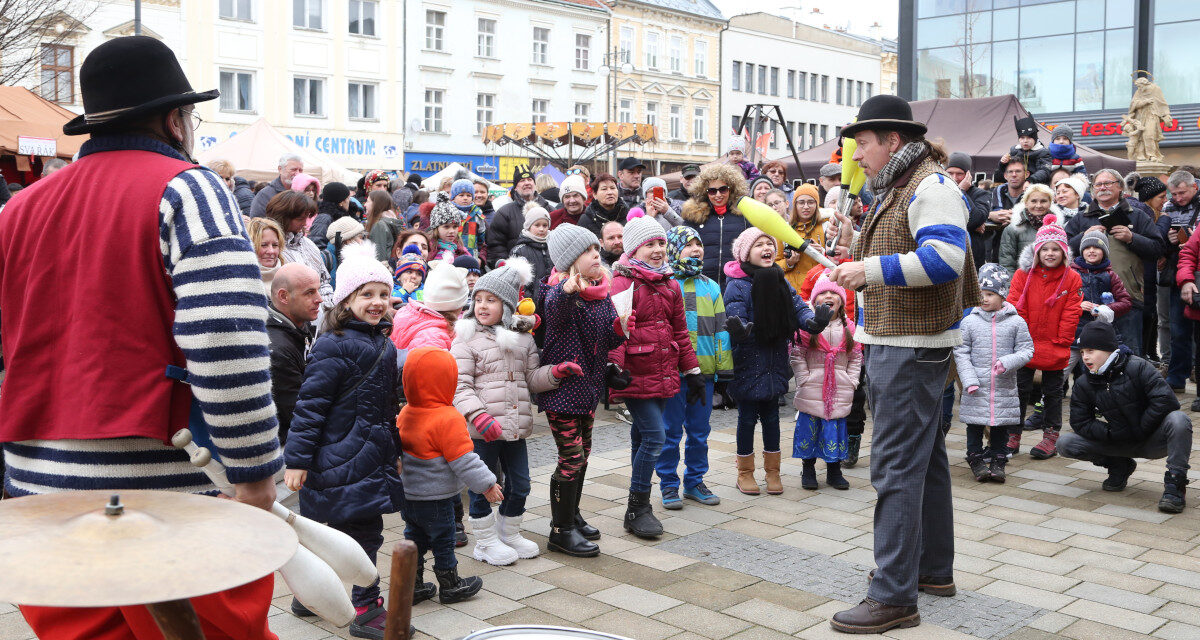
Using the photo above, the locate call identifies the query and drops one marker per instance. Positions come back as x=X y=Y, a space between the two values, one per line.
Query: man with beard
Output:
x=573 y=192
x=508 y=222
x=687 y=176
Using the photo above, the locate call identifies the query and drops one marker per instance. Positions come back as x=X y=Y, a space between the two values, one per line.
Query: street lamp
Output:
x=615 y=61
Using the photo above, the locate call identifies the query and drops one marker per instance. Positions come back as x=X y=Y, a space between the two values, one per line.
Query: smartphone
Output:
x=658 y=192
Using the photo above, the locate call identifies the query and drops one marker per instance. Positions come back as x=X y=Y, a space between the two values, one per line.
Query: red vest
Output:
x=88 y=306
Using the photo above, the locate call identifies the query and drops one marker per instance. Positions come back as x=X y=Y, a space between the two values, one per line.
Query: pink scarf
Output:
x=597 y=291
x=829 y=383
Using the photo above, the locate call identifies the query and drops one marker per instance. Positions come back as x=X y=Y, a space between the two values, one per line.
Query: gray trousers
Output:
x=914 y=518
x=1172 y=440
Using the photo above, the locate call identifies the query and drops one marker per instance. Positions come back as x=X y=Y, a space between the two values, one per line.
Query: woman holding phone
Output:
x=656 y=205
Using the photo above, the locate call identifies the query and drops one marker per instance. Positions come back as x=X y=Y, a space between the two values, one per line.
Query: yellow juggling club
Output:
x=850 y=168
x=768 y=220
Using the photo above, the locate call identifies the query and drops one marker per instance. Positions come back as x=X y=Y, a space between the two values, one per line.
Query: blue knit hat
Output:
x=462 y=185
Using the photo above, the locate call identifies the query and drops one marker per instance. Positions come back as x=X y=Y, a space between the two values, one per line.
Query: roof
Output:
x=24 y=113
x=587 y=4
x=702 y=8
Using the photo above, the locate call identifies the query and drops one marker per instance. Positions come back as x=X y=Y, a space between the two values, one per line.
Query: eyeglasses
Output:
x=1105 y=184
x=712 y=191
x=196 y=121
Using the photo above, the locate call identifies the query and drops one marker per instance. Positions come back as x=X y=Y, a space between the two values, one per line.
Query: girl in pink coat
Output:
x=826 y=367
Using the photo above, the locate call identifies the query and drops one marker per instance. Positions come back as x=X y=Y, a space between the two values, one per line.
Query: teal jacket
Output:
x=705 y=310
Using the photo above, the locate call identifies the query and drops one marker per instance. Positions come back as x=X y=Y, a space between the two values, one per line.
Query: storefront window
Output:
x=940 y=32
x=938 y=71
x=1047 y=19
x=1045 y=82
x=1120 y=14
x=1005 y=24
x=1089 y=15
x=1176 y=47
x=1089 y=70
x=1118 y=67
x=1175 y=10
x=940 y=7
x=1004 y=68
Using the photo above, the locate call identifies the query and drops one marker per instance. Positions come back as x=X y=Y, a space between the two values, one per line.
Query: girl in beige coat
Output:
x=498 y=371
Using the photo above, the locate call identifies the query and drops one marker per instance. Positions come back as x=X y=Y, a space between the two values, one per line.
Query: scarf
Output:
x=1084 y=264
x=598 y=290
x=687 y=267
x=774 y=313
x=829 y=382
x=663 y=270
x=907 y=156
x=1062 y=151
x=526 y=233
x=721 y=209
x=677 y=239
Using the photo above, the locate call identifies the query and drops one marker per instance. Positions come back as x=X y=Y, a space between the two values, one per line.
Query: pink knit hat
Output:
x=1050 y=232
x=824 y=284
x=745 y=240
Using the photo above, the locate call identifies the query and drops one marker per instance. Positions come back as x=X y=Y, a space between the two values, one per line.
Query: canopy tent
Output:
x=982 y=127
x=255 y=154
x=24 y=113
x=434 y=181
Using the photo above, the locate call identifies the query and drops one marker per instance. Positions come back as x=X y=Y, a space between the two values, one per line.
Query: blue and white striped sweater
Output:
x=220 y=325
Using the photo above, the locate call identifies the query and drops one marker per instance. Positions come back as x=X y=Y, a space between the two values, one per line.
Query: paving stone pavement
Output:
x=1046 y=555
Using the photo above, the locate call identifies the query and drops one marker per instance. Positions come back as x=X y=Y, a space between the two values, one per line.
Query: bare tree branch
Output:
x=26 y=25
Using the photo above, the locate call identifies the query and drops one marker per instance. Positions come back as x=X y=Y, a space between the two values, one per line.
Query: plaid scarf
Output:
x=900 y=162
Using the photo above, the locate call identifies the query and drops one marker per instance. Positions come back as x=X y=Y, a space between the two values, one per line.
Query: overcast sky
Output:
x=859 y=15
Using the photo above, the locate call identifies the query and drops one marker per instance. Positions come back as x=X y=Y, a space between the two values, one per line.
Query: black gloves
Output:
x=821 y=317
x=739 y=330
x=617 y=378
x=696 y=388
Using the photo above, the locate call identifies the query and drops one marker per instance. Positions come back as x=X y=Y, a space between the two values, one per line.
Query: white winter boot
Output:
x=510 y=534
x=488 y=547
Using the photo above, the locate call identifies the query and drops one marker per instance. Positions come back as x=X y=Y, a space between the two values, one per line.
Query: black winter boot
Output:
x=852 y=445
x=808 y=479
x=639 y=516
x=564 y=535
x=454 y=588
x=979 y=467
x=834 y=477
x=422 y=590
x=460 y=531
x=999 y=460
x=586 y=530
x=1119 y=470
x=1175 y=484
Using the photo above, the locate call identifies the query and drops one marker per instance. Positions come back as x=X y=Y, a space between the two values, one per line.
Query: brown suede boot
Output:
x=745 y=478
x=771 y=466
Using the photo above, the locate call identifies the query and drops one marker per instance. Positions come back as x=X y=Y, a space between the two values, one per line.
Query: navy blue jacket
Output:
x=349 y=447
x=760 y=372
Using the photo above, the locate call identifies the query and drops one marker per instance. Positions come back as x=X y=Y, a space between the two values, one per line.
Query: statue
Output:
x=1148 y=111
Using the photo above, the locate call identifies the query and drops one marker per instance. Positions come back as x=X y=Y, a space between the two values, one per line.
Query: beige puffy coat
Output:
x=498 y=371
x=808 y=363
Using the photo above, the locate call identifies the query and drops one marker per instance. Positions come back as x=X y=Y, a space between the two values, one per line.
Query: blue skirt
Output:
x=820 y=438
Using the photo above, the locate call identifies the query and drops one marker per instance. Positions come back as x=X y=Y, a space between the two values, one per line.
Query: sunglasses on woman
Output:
x=712 y=191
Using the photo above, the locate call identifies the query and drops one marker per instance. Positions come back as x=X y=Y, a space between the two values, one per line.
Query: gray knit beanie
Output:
x=444 y=211
x=641 y=230
x=505 y=283
x=959 y=160
x=567 y=242
x=1064 y=130
x=1094 y=239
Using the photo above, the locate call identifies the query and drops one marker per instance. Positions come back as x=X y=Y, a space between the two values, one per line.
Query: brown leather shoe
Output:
x=874 y=617
x=941 y=587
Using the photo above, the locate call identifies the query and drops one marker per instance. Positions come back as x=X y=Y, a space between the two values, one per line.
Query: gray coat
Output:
x=996 y=401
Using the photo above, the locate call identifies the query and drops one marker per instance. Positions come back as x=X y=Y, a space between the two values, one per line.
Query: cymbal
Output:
x=74 y=550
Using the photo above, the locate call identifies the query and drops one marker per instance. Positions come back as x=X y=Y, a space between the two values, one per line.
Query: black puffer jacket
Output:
x=505 y=226
x=1126 y=403
x=289 y=345
x=594 y=217
x=243 y=193
x=536 y=252
x=327 y=212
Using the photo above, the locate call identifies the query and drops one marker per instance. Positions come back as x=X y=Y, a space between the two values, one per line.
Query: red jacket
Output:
x=1051 y=325
x=1185 y=272
x=659 y=349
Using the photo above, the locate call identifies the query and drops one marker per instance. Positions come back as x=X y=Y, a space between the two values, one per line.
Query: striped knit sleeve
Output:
x=937 y=217
x=220 y=321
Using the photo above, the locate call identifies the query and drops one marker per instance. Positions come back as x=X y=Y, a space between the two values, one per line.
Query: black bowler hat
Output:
x=885 y=113
x=127 y=78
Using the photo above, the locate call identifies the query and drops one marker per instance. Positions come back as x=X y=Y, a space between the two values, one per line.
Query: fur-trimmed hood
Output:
x=509 y=340
x=1024 y=220
x=1026 y=260
x=697 y=209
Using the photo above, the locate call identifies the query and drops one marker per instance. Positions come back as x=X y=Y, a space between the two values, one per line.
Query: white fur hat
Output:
x=359 y=267
x=445 y=286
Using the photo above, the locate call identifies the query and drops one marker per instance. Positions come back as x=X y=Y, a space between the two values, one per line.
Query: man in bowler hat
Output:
x=163 y=283
x=912 y=262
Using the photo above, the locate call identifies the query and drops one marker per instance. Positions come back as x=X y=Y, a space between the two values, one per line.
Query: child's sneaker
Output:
x=670 y=498
x=979 y=467
x=700 y=493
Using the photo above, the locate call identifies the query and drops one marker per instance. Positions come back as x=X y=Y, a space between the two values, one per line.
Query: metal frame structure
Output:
x=758 y=117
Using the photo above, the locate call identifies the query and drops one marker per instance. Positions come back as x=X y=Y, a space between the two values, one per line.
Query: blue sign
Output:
x=427 y=164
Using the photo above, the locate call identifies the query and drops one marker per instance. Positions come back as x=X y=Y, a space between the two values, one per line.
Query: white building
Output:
x=817 y=77
x=473 y=63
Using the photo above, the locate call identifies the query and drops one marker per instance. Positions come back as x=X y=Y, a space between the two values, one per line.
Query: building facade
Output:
x=818 y=78
x=674 y=83
x=1068 y=61
x=474 y=63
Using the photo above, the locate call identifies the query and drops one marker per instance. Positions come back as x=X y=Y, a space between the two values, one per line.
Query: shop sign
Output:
x=427 y=164
x=32 y=146
x=1102 y=129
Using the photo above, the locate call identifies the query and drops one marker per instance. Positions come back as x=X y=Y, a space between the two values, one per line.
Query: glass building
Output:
x=1065 y=60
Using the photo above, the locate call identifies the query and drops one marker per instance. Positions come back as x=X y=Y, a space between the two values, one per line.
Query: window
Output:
x=676 y=122
x=676 y=54
x=235 y=10
x=838 y=95
x=850 y=91
x=435 y=27
x=363 y=14
x=749 y=88
x=774 y=81
x=237 y=91
x=825 y=89
x=625 y=110
x=801 y=84
x=362 y=101
x=812 y=87
x=651 y=45
x=434 y=99
x=700 y=124
x=789 y=128
x=626 y=44
x=306 y=14
x=58 y=73
x=812 y=135
x=762 y=80
x=652 y=113
x=308 y=97
x=774 y=131
x=737 y=76
x=541 y=45
x=701 y=47
x=485 y=46
x=858 y=90
x=736 y=121
x=824 y=133
x=539 y=110
x=799 y=140
x=583 y=52
x=791 y=84
x=837 y=132
x=870 y=88
x=583 y=112
x=484 y=114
